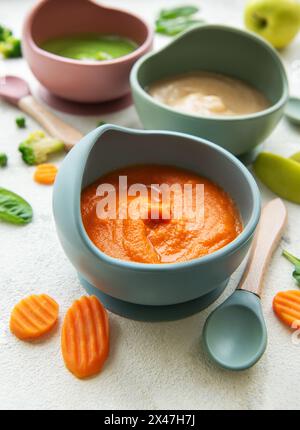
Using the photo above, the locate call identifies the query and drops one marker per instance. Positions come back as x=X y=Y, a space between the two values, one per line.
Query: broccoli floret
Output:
x=38 y=146
x=3 y=159
x=10 y=47
x=21 y=122
x=4 y=33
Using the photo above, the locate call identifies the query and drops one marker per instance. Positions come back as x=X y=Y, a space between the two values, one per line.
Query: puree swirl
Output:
x=208 y=94
x=154 y=241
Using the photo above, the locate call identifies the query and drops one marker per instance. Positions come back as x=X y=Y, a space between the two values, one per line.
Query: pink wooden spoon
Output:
x=17 y=92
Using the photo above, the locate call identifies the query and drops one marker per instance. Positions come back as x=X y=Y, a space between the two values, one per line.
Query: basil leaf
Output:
x=13 y=208
x=172 y=27
x=178 y=12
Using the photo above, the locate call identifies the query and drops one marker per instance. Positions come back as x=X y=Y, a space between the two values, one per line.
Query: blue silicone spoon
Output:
x=235 y=334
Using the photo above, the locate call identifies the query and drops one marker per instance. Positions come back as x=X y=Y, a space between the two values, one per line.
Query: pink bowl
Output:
x=75 y=80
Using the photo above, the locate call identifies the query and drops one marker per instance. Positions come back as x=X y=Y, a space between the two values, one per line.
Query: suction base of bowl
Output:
x=153 y=313
x=86 y=109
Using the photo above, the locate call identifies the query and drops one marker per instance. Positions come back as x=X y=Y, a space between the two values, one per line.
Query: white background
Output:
x=158 y=365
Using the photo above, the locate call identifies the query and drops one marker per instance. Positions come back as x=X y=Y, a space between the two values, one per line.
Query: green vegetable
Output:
x=173 y=21
x=281 y=175
x=296 y=262
x=296 y=157
x=3 y=159
x=178 y=12
x=172 y=27
x=38 y=146
x=5 y=33
x=10 y=46
x=21 y=122
x=13 y=208
x=101 y=123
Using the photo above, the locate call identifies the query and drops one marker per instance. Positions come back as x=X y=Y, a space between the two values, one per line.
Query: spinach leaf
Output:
x=13 y=208
x=296 y=262
x=174 y=21
x=178 y=12
x=172 y=27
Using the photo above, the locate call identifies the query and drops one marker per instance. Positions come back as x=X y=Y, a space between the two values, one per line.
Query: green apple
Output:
x=278 y=21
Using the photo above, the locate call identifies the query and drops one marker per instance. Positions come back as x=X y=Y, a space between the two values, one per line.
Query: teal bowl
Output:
x=151 y=291
x=221 y=49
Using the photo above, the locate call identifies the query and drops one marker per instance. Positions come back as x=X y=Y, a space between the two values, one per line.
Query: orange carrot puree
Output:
x=161 y=240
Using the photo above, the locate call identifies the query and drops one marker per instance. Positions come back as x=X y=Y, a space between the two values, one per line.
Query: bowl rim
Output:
x=135 y=84
x=27 y=30
x=228 y=249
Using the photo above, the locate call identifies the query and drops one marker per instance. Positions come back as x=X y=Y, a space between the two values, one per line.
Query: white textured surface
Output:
x=150 y=365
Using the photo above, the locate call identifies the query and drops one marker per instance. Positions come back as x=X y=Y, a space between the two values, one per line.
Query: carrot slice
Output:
x=85 y=337
x=33 y=317
x=286 y=305
x=45 y=174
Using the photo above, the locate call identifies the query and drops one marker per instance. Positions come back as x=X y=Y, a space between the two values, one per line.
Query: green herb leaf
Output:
x=13 y=208
x=101 y=123
x=296 y=262
x=172 y=27
x=178 y=12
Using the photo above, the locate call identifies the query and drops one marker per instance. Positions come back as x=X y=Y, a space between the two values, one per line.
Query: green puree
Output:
x=90 y=47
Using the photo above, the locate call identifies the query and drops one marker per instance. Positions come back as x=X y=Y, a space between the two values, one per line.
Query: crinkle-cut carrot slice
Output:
x=45 y=174
x=286 y=305
x=85 y=337
x=33 y=317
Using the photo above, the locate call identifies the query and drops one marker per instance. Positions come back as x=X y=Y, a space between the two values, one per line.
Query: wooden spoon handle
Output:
x=50 y=122
x=269 y=232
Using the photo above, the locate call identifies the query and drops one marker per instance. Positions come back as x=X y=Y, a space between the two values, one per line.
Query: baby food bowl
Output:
x=222 y=49
x=74 y=80
x=151 y=291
